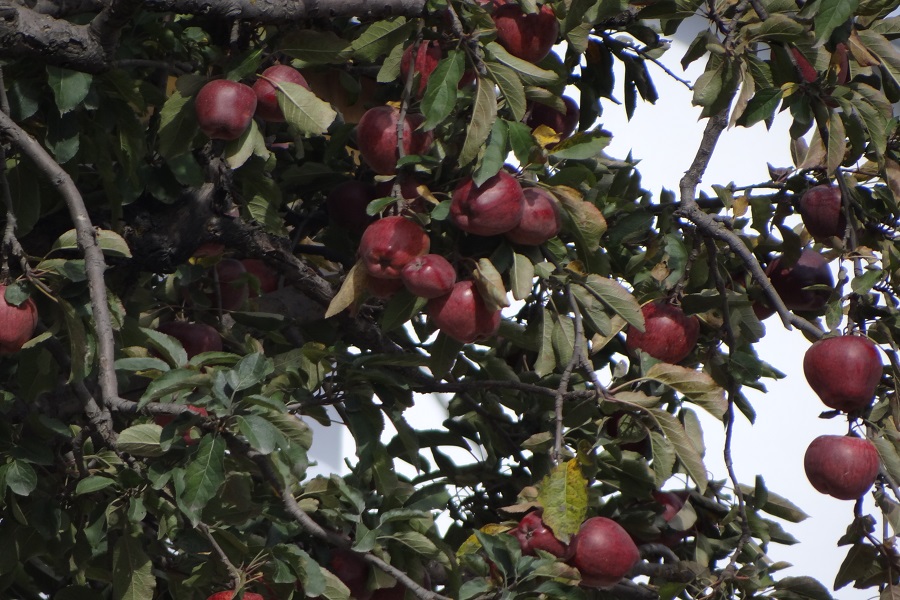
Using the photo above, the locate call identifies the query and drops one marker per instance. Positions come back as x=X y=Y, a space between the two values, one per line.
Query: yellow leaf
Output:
x=354 y=287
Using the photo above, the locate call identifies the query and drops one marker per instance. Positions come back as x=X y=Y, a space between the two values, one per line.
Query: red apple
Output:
x=383 y=288
x=224 y=109
x=603 y=552
x=563 y=123
x=491 y=209
x=353 y=571
x=790 y=280
x=841 y=466
x=843 y=371
x=266 y=275
x=388 y=244
x=540 y=221
x=233 y=288
x=163 y=420
x=397 y=592
x=672 y=503
x=228 y=595
x=669 y=335
x=376 y=137
x=17 y=323
x=533 y=534
x=347 y=203
x=429 y=276
x=428 y=55
x=266 y=89
x=822 y=211
x=530 y=37
x=462 y=314
x=196 y=338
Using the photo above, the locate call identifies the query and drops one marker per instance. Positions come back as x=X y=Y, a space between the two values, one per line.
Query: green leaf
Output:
x=483 y=115
x=141 y=364
x=315 y=47
x=400 y=309
x=93 y=483
x=837 y=142
x=264 y=199
x=583 y=145
x=521 y=277
x=171 y=382
x=592 y=310
x=249 y=371
x=380 y=37
x=260 y=433
x=529 y=72
x=415 y=541
x=171 y=348
x=141 y=440
x=864 y=283
x=334 y=587
x=663 y=458
x=684 y=447
x=802 y=588
x=292 y=427
x=303 y=109
x=110 y=242
x=177 y=125
x=777 y=506
x=494 y=154
x=589 y=223
x=761 y=107
x=777 y=27
x=69 y=88
x=710 y=84
x=444 y=352
x=860 y=563
x=440 y=95
x=132 y=577
x=697 y=386
x=617 y=298
x=546 y=360
x=251 y=142
x=82 y=347
x=563 y=495
x=202 y=478
x=884 y=50
x=831 y=15
x=510 y=86
x=20 y=477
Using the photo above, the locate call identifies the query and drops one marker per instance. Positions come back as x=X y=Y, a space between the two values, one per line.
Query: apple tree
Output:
x=226 y=220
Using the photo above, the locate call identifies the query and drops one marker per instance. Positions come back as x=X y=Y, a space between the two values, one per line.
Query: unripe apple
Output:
x=224 y=109
x=563 y=123
x=267 y=107
x=388 y=244
x=196 y=338
x=428 y=55
x=540 y=221
x=228 y=595
x=603 y=552
x=266 y=275
x=429 y=276
x=17 y=323
x=790 y=280
x=843 y=371
x=822 y=211
x=533 y=534
x=376 y=137
x=841 y=466
x=347 y=203
x=462 y=314
x=491 y=209
x=353 y=571
x=669 y=335
x=530 y=37
x=163 y=420
x=233 y=288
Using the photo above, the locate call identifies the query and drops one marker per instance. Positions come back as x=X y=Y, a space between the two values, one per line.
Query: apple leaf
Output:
x=110 y=242
x=94 y=483
x=141 y=440
x=529 y=72
x=260 y=433
x=563 y=494
x=315 y=47
x=303 y=109
x=684 y=447
x=177 y=125
x=589 y=223
x=251 y=142
x=663 y=458
x=860 y=563
x=614 y=295
x=483 y=115
x=380 y=38
x=546 y=360
x=510 y=86
x=171 y=382
x=775 y=505
x=444 y=352
x=353 y=288
x=334 y=588
x=293 y=428
x=837 y=142
x=592 y=310
x=882 y=48
x=403 y=306
x=495 y=153
x=19 y=477
x=440 y=95
x=588 y=144
x=761 y=107
x=697 y=386
x=831 y=15
x=83 y=347
x=69 y=87
x=521 y=277
x=776 y=27
x=202 y=478
x=490 y=285
x=171 y=349
x=132 y=576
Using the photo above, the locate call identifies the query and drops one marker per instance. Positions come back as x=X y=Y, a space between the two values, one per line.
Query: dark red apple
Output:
x=163 y=420
x=429 y=276
x=390 y=243
x=669 y=335
x=228 y=595
x=266 y=275
x=224 y=109
x=843 y=371
x=383 y=288
x=428 y=55
x=841 y=466
x=540 y=221
x=563 y=123
x=196 y=338
x=376 y=137
x=233 y=288
x=462 y=314
x=266 y=90
x=353 y=571
x=347 y=203
x=17 y=323
x=533 y=534
x=790 y=280
x=603 y=552
x=822 y=211
x=530 y=37
x=491 y=209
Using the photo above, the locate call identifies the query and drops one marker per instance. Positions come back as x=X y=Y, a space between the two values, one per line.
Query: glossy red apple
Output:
x=17 y=323
x=428 y=55
x=376 y=137
x=790 y=280
x=429 y=276
x=265 y=275
x=233 y=289
x=669 y=335
x=224 y=109
x=196 y=338
x=563 y=123
x=822 y=211
x=530 y=37
x=533 y=534
x=843 y=371
x=491 y=209
x=228 y=595
x=266 y=89
x=603 y=552
x=163 y=420
x=841 y=466
x=347 y=202
x=383 y=289
x=388 y=244
x=353 y=571
x=541 y=220
x=462 y=314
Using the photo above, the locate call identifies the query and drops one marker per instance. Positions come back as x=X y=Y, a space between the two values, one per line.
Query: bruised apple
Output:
x=463 y=315
x=17 y=323
x=669 y=335
x=389 y=244
x=429 y=276
x=540 y=220
x=843 y=371
x=266 y=88
x=603 y=552
x=841 y=466
x=376 y=137
x=494 y=207
x=224 y=109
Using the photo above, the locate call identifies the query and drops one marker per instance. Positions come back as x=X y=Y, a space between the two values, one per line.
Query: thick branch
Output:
x=279 y=11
